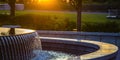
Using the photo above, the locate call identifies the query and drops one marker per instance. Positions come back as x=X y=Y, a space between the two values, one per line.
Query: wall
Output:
x=113 y=38
x=6 y=7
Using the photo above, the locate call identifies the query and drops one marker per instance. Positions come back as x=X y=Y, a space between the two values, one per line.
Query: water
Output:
x=24 y=46
x=47 y=55
x=50 y=55
x=18 y=47
x=37 y=42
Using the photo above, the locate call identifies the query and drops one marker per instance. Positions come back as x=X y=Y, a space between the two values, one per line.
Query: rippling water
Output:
x=51 y=55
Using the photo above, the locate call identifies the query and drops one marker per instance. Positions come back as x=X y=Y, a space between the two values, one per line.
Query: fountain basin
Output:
x=18 y=46
x=84 y=49
x=21 y=45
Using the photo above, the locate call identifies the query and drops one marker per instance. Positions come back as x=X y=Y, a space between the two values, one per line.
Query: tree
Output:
x=12 y=7
x=2 y=0
x=77 y=4
x=11 y=3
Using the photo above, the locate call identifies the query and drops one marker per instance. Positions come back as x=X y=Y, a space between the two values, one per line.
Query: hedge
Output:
x=43 y=22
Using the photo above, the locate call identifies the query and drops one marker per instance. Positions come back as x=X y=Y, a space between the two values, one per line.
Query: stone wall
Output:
x=6 y=7
x=113 y=38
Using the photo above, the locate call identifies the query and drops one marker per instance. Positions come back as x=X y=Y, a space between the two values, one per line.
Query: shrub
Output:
x=108 y=26
x=48 y=22
x=44 y=22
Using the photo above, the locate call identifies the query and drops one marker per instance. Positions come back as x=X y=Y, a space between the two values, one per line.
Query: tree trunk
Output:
x=79 y=20
x=79 y=10
x=12 y=7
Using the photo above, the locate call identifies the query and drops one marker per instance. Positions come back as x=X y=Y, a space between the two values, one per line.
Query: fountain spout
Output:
x=19 y=44
x=12 y=28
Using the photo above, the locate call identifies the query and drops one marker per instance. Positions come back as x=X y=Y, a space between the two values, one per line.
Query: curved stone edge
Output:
x=68 y=41
x=105 y=52
x=18 y=31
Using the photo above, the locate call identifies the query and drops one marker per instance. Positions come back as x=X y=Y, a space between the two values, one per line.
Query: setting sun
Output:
x=44 y=0
x=48 y=4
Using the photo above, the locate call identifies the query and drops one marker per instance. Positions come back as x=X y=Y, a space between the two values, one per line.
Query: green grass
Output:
x=94 y=18
x=85 y=17
x=62 y=21
x=54 y=14
x=4 y=11
x=99 y=18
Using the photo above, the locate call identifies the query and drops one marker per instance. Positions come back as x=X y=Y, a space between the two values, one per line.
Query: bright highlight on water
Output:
x=50 y=55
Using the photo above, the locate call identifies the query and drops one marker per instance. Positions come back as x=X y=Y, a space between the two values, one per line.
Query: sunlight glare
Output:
x=47 y=3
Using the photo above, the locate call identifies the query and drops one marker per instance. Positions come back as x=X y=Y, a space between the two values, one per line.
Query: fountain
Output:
x=18 y=45
x=25 y=44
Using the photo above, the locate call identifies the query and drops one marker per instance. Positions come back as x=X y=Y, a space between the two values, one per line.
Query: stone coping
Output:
x=67 y=41
x=18 y=31
x=105 y=52
x=11 y=26
x=78 y=33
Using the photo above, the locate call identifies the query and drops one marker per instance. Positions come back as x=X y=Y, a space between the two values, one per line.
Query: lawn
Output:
x=86 y=17
x=65 y=21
